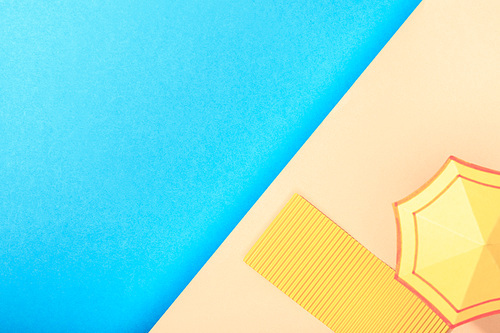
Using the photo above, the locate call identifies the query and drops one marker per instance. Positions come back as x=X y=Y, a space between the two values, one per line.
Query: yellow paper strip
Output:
x=333 y=277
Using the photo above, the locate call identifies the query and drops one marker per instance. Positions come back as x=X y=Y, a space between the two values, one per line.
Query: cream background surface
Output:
x=433 y=91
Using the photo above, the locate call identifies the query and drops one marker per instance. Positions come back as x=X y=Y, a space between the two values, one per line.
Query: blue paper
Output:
x=135 y=135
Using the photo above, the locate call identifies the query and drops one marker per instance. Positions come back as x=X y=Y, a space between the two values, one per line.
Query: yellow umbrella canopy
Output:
x=449 y=242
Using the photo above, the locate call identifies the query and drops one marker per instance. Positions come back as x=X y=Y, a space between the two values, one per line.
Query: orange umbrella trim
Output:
x=414 y=271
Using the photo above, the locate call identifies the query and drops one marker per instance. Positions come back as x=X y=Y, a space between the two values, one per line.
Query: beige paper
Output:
x=433 y=91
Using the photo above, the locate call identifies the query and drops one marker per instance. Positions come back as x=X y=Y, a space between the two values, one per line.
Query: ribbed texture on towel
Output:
x=333 y=277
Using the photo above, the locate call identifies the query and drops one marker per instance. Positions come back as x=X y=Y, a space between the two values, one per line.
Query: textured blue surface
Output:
x=135 y=135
